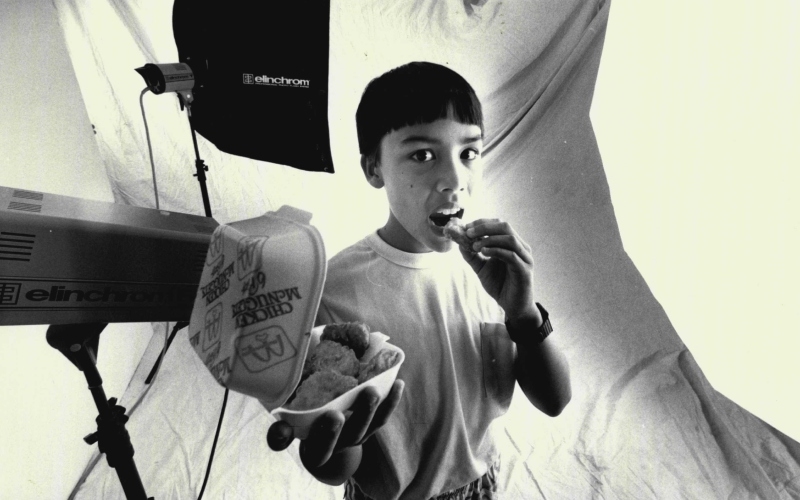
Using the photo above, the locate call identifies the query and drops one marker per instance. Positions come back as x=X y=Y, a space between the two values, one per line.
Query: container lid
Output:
x=257 y=303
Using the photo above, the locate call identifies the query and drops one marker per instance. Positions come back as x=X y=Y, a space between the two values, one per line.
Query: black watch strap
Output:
x=533 y=337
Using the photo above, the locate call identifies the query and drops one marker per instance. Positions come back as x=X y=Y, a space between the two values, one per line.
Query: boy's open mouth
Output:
x=440 y=218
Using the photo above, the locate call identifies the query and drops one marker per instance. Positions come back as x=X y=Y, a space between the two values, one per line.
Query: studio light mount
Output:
x=179 y=78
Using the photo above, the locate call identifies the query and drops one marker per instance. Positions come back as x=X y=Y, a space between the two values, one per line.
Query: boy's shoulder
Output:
x=352 y=252
x=349 y=261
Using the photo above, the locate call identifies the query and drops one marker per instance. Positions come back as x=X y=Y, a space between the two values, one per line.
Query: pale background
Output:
x=696 y=112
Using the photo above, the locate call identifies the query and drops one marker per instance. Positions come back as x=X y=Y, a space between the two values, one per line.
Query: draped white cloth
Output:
x=644 y=421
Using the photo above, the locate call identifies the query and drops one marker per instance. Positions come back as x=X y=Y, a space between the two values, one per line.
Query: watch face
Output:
x=546 y=329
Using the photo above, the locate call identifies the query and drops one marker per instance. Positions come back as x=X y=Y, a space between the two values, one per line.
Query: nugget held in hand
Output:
x=332 y=356
x=454 y=230
x=320 y=388
x=354 y=335
x=379 y=363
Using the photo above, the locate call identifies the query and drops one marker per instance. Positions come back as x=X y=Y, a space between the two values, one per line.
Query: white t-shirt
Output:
x=457 y=371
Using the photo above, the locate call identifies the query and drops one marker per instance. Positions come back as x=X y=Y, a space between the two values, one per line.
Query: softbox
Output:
x=261 y=77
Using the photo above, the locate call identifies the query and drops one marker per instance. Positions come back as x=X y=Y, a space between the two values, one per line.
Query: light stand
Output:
x=79 y=343
x=185 y=98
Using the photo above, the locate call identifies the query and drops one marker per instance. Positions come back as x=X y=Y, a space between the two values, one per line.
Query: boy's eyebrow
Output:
x=433 y=140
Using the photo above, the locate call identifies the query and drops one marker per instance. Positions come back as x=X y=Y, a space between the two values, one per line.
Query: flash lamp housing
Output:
x=169 y=77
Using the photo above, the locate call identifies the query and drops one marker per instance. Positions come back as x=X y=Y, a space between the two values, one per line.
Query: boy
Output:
x=420 y=132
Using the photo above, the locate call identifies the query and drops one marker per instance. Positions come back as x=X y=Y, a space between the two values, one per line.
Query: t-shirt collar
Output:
x=406 y=259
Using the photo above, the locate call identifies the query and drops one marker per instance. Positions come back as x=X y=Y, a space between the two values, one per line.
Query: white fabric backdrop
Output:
x=644 y=422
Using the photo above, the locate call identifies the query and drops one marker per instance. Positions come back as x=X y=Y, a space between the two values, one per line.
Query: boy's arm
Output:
x=504 y=264
x=540 y=368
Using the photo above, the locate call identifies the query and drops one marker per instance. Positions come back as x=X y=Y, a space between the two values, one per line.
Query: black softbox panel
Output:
x=261 y=77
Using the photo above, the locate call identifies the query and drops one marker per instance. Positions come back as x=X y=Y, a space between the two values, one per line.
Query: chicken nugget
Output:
x=354 y=335
x=321 y=388
x=454 y=230
x=333 y=356
x=379 y=363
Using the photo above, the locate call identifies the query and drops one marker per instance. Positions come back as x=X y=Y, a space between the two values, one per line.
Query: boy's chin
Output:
x=436 y=241
x=442 y=245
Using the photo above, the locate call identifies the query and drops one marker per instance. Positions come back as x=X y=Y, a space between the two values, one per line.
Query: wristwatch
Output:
x=532 y=337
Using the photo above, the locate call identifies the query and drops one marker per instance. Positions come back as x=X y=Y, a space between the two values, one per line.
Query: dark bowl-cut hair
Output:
x=413 y=94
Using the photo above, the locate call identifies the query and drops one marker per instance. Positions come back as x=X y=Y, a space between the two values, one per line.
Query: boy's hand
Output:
x=332 y=434
x=504 y=265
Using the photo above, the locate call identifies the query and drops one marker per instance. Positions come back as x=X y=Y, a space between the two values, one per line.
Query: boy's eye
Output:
x=422 y=155
x=470 y=154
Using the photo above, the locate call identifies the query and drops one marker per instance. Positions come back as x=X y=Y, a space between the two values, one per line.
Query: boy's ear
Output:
x=369 y=164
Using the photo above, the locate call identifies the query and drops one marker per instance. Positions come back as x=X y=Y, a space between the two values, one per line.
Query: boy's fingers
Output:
x=318 y=447
x=506 y=242
x=386 y=408
x=280 y=435
x=507 y=256
x=489 y=227
x=497 y=233
x=358 y=423
x=475 y=260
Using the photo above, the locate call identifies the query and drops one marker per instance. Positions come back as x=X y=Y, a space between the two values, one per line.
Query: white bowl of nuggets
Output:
x=343 y=359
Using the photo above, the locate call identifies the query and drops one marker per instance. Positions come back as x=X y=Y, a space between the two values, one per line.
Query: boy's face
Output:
x=429 y=172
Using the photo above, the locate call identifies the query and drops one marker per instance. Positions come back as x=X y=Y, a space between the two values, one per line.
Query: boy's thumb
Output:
x=280 y=435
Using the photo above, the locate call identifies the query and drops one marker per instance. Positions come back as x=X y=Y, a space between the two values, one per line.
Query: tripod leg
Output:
x=79 y=344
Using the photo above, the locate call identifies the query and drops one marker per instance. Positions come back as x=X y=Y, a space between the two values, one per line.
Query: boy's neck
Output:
x=396 y=236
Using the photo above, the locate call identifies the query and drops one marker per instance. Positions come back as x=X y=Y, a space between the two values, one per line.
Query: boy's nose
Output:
x=454 y=176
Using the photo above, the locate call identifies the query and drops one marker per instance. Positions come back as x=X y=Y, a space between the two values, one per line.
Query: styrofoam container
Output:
x=253 y=319
x=257 y=301
x=301 y=420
